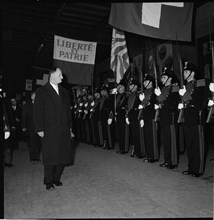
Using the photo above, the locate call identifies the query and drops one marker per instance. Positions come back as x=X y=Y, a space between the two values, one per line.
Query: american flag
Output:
x=119 y=54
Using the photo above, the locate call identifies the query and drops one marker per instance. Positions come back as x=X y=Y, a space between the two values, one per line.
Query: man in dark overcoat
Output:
x=53 y=123
x=28 y=126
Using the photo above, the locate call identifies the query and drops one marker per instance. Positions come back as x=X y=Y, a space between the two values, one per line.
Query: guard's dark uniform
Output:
x=87 y=129
x=194 y=126
x=132 y=114
x=150 y=126
x=93 y=117
x=78 y=117
x=106 y=112
x=168 y=101
x=122 y=127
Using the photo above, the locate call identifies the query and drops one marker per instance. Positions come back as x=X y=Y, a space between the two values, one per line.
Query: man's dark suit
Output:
x=34 y=141
x=53 y=116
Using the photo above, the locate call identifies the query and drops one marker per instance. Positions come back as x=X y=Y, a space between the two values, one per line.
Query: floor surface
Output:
x=104 y=184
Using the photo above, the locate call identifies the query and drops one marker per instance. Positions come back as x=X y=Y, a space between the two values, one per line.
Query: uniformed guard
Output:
x=106 y=113
x=97 y=135
x=88 y=129
x=78 y=111
x=192 y=95
x=122 y=127
x=132 y=119
x=148 y=99
x=168 y=101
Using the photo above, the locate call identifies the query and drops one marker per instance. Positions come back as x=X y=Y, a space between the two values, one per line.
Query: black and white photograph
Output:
x=107 y=109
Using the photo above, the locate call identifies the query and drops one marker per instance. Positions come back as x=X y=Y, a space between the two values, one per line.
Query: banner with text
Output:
x=75 y=58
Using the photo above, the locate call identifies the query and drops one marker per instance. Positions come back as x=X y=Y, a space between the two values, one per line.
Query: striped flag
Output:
x=119 y=54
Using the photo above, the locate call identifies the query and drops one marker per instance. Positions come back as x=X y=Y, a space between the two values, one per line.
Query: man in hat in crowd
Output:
x=148 y=100
x=8 y=123
x=132 y=119
x=16 y=132
x=52 y=119
x=28 y=127
x=192 y=95
x=168 y=101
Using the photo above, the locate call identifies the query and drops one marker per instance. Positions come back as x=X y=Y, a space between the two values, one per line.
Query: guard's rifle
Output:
x=210 y=115
x=157 y=111
x=181 y=111
x=141 y=83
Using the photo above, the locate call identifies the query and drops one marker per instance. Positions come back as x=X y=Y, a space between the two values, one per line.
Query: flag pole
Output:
x=115 y=98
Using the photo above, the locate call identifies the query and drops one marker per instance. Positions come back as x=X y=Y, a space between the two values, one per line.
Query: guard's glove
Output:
x=211 y=87
x=6 y=134
x=180 y=105
x=92 y=104
x=141 y=123
x=141 y=97
x=109 y=121
x=157 y=91
x=156 y=106
x=127 y=121
x=210 y=103
x=114 y=91
x=140 y=107
x=182 y=91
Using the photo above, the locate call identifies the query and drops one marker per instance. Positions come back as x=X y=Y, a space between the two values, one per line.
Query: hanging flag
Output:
x=119 y=54
x=162 y=20
x=75 y=58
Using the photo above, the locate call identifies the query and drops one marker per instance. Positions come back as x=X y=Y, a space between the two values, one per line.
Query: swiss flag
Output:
x=163 y=20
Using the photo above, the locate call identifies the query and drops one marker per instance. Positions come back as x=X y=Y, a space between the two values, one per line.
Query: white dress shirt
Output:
x=56 y=88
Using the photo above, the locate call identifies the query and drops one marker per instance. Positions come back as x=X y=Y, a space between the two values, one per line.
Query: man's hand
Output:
x=157 y=91
x=211 y=87
x=114 y=91
x=41 y=134
x=180 y=105
x=210 y=103
x=6 y=134
x=182 y=91
x=141 y=97
x=141 y=123
x=127 y=121
x=156 y=106
x=17 y=119
x=24 y=129
x=109 y=121
x=140 y=106
x=72 y=134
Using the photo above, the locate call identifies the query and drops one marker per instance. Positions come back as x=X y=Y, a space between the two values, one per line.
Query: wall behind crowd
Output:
x=15 y=75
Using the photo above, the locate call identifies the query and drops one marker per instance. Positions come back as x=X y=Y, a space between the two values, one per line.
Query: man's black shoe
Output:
x=171 y=167
x=123 y=152
x=196 y=174
x=164 y=165
x=9 y=164
x=140 y=157
x=187 y=172
x=58 y=183
x=152 y=160
x=49 y=186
